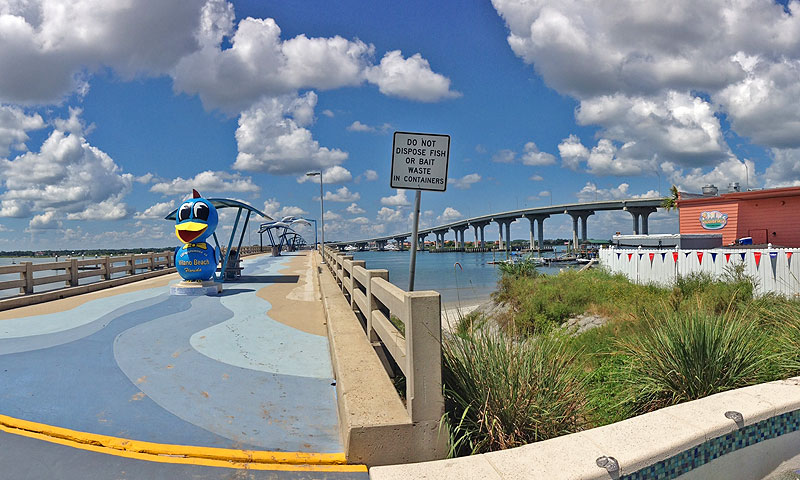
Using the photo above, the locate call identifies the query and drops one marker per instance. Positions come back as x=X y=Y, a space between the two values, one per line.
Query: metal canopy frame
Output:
x=220 y=203
x=282 y=228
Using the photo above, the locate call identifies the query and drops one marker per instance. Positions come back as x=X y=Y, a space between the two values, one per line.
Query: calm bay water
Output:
x=470 y=283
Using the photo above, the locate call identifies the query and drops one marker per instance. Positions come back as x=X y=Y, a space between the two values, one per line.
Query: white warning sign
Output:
x=419 y=161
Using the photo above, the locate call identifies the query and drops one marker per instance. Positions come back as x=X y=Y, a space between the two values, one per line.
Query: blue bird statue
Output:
x=195 y=221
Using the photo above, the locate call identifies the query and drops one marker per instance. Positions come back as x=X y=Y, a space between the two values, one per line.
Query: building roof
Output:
x=738 y=196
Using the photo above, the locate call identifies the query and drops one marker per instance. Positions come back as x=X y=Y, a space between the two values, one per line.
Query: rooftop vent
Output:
x=734 y=187
x=710 y=191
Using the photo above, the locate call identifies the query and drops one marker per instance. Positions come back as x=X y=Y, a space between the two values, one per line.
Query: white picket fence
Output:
x=775 y=269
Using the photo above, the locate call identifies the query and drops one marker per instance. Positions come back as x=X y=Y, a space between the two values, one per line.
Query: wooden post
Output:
x=73 y=272
x=152 y=258
x=132 y=263
x=27 y=275
x=107 y=268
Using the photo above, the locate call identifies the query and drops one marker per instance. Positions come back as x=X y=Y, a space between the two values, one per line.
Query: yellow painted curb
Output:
x=187 y=454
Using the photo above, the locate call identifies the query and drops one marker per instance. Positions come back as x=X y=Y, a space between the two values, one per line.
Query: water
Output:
x=472 y=283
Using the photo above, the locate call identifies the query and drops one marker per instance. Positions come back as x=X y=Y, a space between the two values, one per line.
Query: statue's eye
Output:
x=184 y=212
x=201 y=211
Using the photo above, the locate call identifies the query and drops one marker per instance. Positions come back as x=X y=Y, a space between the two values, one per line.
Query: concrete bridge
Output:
x=639 y=209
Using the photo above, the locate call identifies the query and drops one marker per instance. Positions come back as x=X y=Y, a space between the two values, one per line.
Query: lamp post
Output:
x=321 y=214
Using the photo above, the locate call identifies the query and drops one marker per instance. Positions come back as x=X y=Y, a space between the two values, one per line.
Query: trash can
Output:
x=276 y=251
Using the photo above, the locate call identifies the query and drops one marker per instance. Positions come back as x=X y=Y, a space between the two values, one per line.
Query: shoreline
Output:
x=451 y=311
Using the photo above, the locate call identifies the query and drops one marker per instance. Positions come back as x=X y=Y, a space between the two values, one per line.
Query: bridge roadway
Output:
x=134 y=383
x=639 y=208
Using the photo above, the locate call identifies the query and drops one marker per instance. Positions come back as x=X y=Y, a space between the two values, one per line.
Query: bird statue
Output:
x=195 y=221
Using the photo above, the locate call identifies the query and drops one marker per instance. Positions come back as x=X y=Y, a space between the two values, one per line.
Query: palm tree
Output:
x=671 y=202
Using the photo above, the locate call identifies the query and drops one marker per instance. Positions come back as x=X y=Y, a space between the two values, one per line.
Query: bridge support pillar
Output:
x=439 y=234
x=540 y=220
x=578 y=215
x=643 y=213
x=460 y=235
x=505 y=222
x=478 y=227
x=421 y=241
x=401 y=242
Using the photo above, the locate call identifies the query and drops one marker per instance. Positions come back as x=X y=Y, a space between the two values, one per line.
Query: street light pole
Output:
x=321 y=213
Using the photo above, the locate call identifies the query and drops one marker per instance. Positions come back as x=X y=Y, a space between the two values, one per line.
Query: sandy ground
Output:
x=297 y=304
x=451 y=313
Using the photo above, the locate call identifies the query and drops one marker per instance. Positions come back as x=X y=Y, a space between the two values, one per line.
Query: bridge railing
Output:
x=72 y=270
x=408 y=324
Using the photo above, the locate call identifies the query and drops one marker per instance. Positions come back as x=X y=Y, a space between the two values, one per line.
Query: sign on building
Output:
x=419 y=161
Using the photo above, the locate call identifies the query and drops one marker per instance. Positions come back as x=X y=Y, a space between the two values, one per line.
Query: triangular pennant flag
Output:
x=687 y=254
x=641 y=255
x=742 y=254
x=675 y=256
x=727 y=257
x=789 y=259
x=700 y=257
x=663 y=256
x=758 y=258
x=629 y=256
x=618 y=254
x=651 y=258
x=773 y=259
x=713 y=257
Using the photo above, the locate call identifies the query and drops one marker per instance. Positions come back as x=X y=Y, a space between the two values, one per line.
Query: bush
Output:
x=501 y=393
x=523 y=268
x=683 y=357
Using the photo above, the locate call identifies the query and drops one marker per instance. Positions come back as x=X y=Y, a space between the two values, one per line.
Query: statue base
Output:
x=187 y=287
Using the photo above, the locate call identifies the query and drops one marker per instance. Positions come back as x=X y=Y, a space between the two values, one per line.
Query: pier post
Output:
x=73 y=272
x=27 y=275
x=107 y=268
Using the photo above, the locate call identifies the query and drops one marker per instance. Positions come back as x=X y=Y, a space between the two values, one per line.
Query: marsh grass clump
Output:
x=501 y=393
x=682 y=357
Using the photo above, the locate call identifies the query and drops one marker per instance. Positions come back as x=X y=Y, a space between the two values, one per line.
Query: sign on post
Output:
x=419 y=161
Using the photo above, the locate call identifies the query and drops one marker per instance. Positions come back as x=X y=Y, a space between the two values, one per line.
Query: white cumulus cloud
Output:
x=343 y=194
x=398 y=199
x=207 y=181
x=466 y=181
x=410 y=78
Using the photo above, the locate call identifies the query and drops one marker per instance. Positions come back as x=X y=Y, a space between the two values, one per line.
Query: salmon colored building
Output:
x=768 y=216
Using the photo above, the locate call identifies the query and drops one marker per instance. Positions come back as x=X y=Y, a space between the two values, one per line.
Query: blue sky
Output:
x=110 y=114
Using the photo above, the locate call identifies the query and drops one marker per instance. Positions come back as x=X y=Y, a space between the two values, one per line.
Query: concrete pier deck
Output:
x=216 y=380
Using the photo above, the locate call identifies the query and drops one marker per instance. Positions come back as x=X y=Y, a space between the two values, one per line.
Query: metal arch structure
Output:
x=283 y=230
x=220 y=203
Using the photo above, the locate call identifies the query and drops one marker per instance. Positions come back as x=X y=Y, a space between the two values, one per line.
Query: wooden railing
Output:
x=72 y=270
x=385 y=309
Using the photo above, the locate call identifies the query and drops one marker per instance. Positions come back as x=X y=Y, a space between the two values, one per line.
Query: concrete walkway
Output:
x=248 y=370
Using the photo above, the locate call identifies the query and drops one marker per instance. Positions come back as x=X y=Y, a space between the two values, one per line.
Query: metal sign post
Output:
x=414 y=241
x=419 y=162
